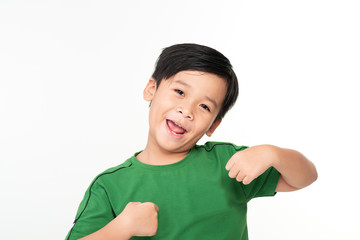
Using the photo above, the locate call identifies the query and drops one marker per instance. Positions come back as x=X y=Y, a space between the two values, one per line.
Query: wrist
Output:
x=272 y=153
x=124 y=227
x=119 y=229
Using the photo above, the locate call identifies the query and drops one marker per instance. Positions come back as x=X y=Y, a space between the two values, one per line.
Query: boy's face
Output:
x=183 y=108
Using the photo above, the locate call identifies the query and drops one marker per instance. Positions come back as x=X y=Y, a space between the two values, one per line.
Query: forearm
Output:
x=296 y=170
x=112 y=231
x=137 y=219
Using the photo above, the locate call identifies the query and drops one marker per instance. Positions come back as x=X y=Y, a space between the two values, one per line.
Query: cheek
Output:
x=159 y=107
x=205 y=123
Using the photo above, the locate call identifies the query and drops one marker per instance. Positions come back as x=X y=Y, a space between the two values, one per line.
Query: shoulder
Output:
x=125 y=165
x=117 y=172
x=220 y=146
x=217 y=150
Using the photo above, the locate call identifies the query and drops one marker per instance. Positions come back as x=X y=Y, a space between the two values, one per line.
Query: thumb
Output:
x=156 y=207
x=153 y=204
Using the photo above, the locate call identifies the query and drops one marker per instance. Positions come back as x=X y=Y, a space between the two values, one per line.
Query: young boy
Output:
x=175 y=189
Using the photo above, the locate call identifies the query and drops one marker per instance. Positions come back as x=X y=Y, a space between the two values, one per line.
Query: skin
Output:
x=192 y=99
x=296 y=170
x=137 y=219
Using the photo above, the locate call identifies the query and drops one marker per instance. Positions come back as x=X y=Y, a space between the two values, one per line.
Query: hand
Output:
x=250 y=163
x=137 y=219
x=141 y=219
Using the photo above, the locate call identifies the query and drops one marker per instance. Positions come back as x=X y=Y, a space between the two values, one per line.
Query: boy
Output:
x=175 y=189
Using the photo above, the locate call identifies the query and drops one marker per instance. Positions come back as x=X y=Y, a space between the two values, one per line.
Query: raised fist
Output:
x=141 y=219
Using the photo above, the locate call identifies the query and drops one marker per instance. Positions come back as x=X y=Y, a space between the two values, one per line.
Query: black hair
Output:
x=187 y=56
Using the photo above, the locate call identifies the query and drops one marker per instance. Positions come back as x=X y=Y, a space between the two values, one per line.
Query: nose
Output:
x=185 y=113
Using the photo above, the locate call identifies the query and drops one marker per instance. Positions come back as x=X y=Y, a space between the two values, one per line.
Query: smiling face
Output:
x=183 y=108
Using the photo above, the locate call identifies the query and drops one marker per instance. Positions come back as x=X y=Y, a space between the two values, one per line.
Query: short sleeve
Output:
x=94 y=212
x=264 y=185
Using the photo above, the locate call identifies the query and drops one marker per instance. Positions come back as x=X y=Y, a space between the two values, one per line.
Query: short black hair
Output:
x=189 y=56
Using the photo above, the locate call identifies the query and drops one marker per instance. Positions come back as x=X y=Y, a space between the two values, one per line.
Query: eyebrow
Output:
x=183 y=83
x=207 y=97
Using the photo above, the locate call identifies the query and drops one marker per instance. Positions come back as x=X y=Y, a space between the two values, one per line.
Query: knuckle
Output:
x=248 y=180
x=153 y=232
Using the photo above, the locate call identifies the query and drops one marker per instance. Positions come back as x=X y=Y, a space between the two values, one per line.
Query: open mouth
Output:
x=175 y=128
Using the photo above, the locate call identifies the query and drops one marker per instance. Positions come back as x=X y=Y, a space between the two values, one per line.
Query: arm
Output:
x=137 y=219
x=296 y=170
x=113 y=230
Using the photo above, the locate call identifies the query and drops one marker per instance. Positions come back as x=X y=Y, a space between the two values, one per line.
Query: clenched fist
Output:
x=250 y=163
x=141 y=219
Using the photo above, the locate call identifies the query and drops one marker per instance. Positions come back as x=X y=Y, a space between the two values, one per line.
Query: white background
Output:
x=71 y=81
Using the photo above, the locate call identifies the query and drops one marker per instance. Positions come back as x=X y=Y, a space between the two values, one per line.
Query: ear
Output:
x=213 y=127
x=150 y=90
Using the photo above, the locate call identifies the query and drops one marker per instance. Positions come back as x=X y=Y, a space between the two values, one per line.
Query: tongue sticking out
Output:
x=175 y=128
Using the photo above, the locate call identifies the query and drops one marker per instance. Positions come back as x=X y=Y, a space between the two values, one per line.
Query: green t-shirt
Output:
x=195 y=196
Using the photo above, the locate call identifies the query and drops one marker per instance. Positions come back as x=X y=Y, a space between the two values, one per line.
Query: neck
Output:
x=156 y=156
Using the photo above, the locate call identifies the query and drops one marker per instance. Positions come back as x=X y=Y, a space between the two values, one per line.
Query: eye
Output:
x=205 y=107
x=180 y=92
